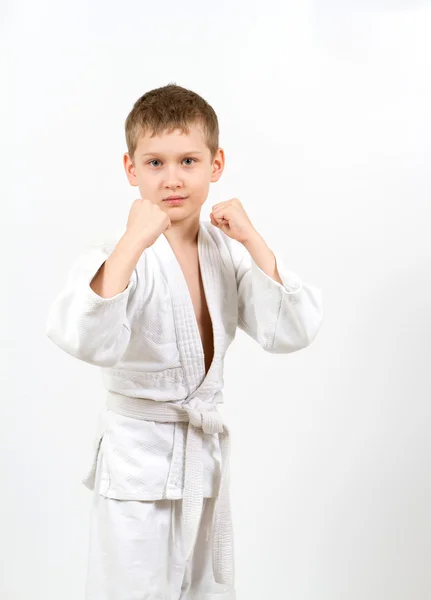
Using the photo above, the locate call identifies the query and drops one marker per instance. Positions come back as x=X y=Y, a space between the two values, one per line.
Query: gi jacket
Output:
x=146 y=341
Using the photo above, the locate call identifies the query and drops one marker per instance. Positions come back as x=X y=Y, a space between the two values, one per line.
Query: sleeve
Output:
x=282 y=318
x=82 y=323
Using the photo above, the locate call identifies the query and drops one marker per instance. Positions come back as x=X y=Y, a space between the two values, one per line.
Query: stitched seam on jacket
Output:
x=276 y=322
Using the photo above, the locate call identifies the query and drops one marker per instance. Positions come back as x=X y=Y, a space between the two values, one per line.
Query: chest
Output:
x=186 y=311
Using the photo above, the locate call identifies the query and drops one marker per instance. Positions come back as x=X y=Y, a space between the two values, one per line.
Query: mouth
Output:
x=174 y=200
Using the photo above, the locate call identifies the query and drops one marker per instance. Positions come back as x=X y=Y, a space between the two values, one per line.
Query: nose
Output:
x=172 y=180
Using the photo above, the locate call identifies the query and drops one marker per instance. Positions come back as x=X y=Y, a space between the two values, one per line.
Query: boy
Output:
x=157 y=310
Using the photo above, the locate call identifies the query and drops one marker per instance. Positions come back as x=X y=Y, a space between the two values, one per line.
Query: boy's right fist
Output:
x=147 y=221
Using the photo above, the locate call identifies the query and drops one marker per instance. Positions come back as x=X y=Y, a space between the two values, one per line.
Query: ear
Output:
x=217 y=165
x=129 y=167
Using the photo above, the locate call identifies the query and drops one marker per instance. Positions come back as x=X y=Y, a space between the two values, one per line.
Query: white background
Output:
x=324 y=110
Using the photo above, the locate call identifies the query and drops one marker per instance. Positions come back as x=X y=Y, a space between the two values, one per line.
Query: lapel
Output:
x=187 y=330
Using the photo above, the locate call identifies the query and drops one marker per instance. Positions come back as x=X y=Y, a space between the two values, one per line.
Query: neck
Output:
x=184 y=232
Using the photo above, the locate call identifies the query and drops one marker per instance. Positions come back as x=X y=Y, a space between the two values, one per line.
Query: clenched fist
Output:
x=231 y=218
x=147 y=221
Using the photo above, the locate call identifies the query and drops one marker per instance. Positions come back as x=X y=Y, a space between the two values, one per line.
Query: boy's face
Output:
x=175 y=164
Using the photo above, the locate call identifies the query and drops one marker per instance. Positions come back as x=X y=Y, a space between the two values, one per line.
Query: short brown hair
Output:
x=167 y=108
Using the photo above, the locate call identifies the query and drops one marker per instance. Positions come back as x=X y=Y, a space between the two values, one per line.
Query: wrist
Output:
x=134 y=243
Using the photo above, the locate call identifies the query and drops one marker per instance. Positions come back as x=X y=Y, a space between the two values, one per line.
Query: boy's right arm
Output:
x=88 y=319
x=114 y=275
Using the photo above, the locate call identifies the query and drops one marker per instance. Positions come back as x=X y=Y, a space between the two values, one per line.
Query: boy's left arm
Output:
x=275 y=307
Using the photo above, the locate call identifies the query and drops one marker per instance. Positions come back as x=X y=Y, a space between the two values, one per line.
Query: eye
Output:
x=153 y=161
x=193 y=159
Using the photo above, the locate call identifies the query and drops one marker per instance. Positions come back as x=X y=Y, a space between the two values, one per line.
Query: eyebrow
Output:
x=180 y=153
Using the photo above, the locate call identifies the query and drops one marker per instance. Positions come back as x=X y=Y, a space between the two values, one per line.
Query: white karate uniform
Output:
x=135 y=552
x=161 y=436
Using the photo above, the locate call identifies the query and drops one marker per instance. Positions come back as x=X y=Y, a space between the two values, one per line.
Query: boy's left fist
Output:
x=232 y=219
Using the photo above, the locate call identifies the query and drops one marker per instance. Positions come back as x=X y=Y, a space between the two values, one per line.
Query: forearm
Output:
x=263 y=256
x=114 y=274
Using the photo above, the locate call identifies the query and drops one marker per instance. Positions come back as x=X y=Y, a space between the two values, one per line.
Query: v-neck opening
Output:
x=207 y=296
x=208 y=303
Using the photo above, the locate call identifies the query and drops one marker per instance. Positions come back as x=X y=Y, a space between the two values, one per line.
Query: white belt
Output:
x=204 y=419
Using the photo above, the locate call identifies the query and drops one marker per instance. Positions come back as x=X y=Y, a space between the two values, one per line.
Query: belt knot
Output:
x=208 y=419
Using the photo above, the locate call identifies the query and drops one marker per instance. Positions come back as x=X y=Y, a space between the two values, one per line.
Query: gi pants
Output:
x=135 y=552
